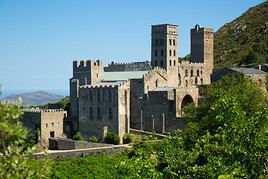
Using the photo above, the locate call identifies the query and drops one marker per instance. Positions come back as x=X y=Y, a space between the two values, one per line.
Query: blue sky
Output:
x=40 y=39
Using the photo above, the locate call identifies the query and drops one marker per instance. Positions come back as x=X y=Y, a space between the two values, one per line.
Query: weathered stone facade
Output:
x=49 y=122
x=149 y=100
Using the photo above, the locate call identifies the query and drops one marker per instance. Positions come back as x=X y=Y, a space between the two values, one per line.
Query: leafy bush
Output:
x=78 y=136
x=128 y=138
x=112 y=138
x=93 y=139
x=16 y=161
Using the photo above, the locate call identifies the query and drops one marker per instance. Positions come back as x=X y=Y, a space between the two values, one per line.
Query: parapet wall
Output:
x=85 y=65
x=133 y=66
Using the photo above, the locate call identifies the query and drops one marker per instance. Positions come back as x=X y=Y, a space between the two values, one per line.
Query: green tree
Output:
x=16 y=160
x=226 y=135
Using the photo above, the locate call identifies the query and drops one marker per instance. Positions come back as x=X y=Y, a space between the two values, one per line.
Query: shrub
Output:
x=93 y=139
x=128 y=138
x=78 y=136
x=111 y=138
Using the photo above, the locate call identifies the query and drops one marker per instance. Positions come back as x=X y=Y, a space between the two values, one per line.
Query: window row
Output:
x=198 y=73
x=99 y=96
x=97 y=113
x=172 y=42
x=162 y=53
x=159 y=42
x=52 y=124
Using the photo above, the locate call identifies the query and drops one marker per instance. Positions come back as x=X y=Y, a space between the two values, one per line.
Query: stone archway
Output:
x=187 y=99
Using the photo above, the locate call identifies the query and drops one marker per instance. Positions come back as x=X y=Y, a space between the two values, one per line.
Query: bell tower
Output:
x=202 y=47
x=164 y=50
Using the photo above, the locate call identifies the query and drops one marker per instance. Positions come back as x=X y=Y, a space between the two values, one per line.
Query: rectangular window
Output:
x=156 y=42
x=174 y=43
x=162 y=53
x=110 y=113
x=90 y=95
x=161 y=42
x=110 y=96
x=91 y=115
x=99 y=113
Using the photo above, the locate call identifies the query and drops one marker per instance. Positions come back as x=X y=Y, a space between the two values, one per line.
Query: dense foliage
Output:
x=99 y=166
x=78 y=136
x=226 y=135
x=111 y=138
x=16 y=161
x=244 y=40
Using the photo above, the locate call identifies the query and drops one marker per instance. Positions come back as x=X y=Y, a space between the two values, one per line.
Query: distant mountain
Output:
x=35 y=98
x=244 y=40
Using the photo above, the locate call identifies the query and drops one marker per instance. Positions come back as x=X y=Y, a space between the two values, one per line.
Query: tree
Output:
x=78 y=136
x=226 y=135
x=16 y=161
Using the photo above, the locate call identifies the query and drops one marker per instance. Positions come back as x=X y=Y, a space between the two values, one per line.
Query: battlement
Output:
x=105 y=85
x=37 y=110
x=201 y=29
x=133 y=66
x=83 y=65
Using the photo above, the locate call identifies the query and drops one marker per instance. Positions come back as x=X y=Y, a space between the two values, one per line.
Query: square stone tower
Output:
x=164 y=50
x=202 y=47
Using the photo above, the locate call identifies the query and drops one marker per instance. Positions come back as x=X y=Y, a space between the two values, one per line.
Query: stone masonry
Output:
x=136 y=95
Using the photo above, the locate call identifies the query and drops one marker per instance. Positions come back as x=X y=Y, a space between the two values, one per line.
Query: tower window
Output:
x=162 y=63
x=162 y=53
x=170 y=62
x=170 y=53
x=192 y=72
x=174 y=42
x=156 y=42
x=170 y=42
x=174 y=62
x=174 y=53
x=90 y=96
x=161 y=42
x=155 y=53
x=156 y=83
x=197 y=73
x=186 y=72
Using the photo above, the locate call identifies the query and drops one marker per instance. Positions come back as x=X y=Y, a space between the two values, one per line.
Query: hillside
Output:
x=244 y=40
x=35 y=98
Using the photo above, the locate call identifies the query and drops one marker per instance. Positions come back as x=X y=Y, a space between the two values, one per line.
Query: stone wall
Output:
x=80 y=152
x=104 y=107
x=69 y=144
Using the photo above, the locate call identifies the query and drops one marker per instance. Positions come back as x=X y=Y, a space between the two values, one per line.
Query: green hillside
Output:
x=244 y=40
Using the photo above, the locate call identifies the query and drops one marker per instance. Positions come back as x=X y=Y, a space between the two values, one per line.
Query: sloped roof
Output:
x=123 y=75
x=248 y=70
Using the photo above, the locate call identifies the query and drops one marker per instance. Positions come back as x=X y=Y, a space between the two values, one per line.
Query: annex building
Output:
x=141 y=95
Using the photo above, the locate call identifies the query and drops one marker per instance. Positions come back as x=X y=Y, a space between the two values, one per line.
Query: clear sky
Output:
x=40 y=39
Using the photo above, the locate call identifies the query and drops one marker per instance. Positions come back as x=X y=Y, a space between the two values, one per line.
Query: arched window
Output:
x=155 y=63
x=186 y=83
x=197 y=73
x=174 y=43
x=155 y=53
x=174 y=53
x=162 y=53
x=156 y=83
x=162 y=63
x=170 y=53
x=192 y=72
x=186 y=72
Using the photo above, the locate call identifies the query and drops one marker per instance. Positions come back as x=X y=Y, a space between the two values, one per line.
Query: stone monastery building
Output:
x=141 y=95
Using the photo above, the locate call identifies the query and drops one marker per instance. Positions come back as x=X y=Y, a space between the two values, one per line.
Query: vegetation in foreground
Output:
x=225 y=137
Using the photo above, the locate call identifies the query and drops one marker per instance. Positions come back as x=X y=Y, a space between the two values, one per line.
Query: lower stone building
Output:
x=49 y=122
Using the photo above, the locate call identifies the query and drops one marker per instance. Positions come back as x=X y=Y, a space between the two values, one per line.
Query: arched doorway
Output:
x=186 y=101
